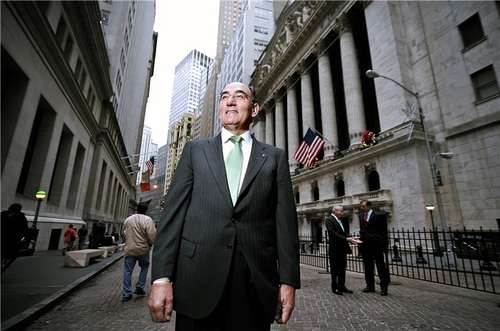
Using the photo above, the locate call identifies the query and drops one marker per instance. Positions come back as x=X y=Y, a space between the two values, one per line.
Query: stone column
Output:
x=269 y=127
x=280 y=137
x=327 y=101
x=308 y=118
x=293 y=124
x=352 y=83
x=258 y=128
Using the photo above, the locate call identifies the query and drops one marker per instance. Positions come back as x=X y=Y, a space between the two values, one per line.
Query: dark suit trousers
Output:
x=338 y=263
x=239 y=307
x=370 y=254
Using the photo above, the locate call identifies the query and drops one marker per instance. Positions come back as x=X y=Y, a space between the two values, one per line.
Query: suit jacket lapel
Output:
x=337 y=225
x=258 y=156
x=215 y=161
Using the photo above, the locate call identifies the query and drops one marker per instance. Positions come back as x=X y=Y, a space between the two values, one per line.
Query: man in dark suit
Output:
x=338 y=248
x=373 y=233
x=226 y=253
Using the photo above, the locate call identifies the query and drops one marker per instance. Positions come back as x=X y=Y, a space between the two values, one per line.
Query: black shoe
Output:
x=337 y=292
x=345 y=290
x=368 y=290
x=139 y=291
x=384 y=292
x=126 y=298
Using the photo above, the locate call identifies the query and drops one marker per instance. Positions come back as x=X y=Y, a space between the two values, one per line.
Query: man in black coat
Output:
x=338 y=248
x=374 y=237
x=14 y=230
x=226 y=252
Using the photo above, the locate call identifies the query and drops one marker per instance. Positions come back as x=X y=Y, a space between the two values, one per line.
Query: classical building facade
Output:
x=312 y=75
x=59 y=130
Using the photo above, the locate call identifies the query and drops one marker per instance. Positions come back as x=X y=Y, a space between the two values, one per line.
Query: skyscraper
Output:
x=229 y=14
x=190 y=80
x=253 y=31
x=131 y=44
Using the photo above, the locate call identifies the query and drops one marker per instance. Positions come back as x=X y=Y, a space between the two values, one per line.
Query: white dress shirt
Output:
x=246 y=148
x=339 y=221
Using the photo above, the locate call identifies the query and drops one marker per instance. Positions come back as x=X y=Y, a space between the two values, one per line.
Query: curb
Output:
x=24 y=318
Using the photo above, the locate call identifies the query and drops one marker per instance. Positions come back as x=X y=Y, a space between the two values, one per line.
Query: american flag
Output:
x=309 y=149
x=150 y=164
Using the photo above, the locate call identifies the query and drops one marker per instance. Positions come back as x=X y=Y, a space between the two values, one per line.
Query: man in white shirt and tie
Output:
x=226 y=254
x=338 y=248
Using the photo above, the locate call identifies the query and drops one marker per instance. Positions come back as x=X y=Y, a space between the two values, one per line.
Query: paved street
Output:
x=31 y=280
x=412 y=305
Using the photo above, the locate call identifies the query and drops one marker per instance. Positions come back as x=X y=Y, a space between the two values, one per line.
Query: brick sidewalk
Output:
x=412 y=305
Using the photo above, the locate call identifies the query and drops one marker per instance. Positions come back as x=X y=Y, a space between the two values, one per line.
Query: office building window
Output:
x=471 y=31
x=485 y=83
x=37 y=149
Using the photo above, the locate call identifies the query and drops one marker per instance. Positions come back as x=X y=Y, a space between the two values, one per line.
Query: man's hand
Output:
x=354 y=240
x=286 y=303
x=161 y=301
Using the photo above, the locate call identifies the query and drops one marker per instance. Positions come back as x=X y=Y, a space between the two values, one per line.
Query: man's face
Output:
x=236 y=108
x=364 y=207
x=338 y=212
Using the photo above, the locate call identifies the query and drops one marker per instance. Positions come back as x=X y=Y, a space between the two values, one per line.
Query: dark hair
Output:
x=142 y=208
x=71 y=226
x=15 y=207
x=368 y=203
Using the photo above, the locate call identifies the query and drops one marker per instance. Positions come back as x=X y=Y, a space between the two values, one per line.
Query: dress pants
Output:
x=370 y=254
x=238 y=309
x=338 y=263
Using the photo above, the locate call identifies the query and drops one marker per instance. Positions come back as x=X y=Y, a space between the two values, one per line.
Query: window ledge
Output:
x=491 y=97
x=465 y=49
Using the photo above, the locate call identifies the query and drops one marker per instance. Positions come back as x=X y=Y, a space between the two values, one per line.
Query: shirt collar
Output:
x=226 y=134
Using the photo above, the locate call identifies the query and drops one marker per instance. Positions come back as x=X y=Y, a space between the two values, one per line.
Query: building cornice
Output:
x=286 y=49
x=396 y=138
x=85 y=17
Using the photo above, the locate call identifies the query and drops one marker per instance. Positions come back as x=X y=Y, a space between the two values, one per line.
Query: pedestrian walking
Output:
x=82 y=236
x=69 y=239
x=14 y=232
x=374 y=237
x=139 y=233
x=338 y=248
x=226 y=255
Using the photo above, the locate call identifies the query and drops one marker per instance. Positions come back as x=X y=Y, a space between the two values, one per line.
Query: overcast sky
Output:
x=182 y=25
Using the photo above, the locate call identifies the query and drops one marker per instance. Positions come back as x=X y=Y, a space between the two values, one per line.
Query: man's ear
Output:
x=255 y=109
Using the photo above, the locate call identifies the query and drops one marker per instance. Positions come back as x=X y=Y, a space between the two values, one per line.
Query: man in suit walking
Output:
x=373 y=233
x=226 y=254
x=338 y=248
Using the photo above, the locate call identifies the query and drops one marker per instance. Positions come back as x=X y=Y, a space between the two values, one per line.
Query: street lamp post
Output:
x=373 y=74
x=40 y=196
x=437 y=247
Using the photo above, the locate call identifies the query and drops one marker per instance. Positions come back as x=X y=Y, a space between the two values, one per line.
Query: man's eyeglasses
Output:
x=238 y=96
